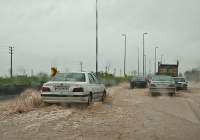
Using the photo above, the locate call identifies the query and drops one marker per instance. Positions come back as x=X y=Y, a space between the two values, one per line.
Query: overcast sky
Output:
x=61 y=33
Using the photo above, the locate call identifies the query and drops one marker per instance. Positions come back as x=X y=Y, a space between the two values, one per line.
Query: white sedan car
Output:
x=77 y=87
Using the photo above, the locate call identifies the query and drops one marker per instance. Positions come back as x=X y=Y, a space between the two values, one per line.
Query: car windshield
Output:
x=179 y=79
x=162 y=78
x=72 y=77
x=140 y=78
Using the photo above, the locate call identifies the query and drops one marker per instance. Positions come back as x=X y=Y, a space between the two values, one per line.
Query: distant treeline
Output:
x=18 y=84
x=193 y=75
x=110 y=79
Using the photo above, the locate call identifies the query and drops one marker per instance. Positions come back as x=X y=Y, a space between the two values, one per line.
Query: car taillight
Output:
x=45 y=89
x=78 y=89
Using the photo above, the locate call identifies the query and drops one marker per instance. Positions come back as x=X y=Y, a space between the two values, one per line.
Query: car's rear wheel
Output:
x=103 y=96
x=150 y=94
x=185 y=87
x=47 y=104
x=172 y=94
x=132 y=85
x=89 y=100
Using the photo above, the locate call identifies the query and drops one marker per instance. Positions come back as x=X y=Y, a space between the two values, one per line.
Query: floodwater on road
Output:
x=127 y=114
x=7 y=97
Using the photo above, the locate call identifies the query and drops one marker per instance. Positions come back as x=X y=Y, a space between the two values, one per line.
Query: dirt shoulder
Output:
x=126 y=114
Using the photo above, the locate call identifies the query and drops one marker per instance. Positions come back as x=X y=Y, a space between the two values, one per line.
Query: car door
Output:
x=92 y=86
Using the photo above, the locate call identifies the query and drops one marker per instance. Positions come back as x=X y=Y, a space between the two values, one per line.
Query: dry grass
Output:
x=27 y=101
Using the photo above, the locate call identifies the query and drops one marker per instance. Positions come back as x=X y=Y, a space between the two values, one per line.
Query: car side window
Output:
x=91 y=79
x=95 y=78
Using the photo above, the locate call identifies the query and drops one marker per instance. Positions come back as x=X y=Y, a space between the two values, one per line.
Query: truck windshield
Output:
x=73 y=77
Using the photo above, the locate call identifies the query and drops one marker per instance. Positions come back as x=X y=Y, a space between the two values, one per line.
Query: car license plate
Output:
x=61 y=88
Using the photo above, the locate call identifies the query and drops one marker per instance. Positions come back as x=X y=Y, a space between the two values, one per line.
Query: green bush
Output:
x=24 y=80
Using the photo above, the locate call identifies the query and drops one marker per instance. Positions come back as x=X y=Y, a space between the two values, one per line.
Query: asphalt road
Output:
x=127 y=114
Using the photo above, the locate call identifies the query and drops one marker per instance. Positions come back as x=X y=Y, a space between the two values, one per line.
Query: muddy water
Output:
x=126 y=114
x=7 y=97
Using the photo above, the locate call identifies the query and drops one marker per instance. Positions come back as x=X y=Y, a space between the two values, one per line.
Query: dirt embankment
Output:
x=126 y=114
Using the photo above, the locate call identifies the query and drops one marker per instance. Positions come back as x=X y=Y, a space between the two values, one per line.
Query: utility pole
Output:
x=106 y=69
x=138 y=61
x=11 y=61
x=97 y=38
x=155 y=59
x=161 y=58
x=149 y=66
x=81 y=64
x=124 y=54
x=32 y=73
x=143 y=51
x=145 y=65
x=114 y=71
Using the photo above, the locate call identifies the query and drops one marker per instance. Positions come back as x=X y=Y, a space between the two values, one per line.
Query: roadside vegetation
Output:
x=24 y=80
x=112 y=80
x=18 y=84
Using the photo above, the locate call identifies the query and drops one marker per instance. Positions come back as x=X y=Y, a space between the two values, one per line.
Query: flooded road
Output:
x=127 y=114
x=7 y=97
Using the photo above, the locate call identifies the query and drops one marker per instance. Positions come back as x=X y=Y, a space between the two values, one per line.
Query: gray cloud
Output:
x=62 y=33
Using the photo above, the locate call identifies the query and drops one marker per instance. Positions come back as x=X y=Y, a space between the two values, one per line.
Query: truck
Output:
x=168 y=69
